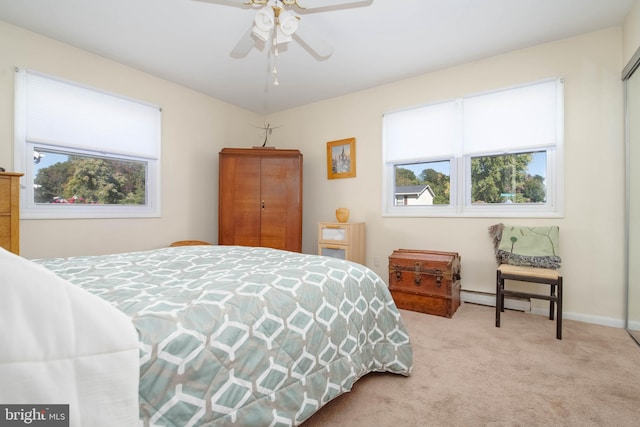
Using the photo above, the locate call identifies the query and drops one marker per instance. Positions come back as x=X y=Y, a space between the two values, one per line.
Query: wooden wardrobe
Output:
x=260 y=198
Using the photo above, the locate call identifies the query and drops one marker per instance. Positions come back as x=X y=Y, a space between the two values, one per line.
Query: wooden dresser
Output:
x=260 y=198
x=10 y=211
x=425 y=281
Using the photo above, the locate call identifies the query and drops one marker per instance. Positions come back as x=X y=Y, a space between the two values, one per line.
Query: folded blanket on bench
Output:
x=526 y=246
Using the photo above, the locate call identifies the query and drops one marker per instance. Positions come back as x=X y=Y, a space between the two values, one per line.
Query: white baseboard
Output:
x=589 y=318
x=522 y=304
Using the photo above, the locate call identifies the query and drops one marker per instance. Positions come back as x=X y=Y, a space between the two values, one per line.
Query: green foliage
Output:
x=405 y=177
x=498 y=179
x=534 y=190
x=50 y=182
x=92 y=180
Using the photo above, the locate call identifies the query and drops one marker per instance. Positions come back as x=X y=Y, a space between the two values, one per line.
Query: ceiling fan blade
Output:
x=239 y=3
x=310 y=38
x=244 y=45
x=332 y=4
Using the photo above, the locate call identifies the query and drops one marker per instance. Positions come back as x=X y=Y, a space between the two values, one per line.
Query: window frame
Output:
x=460 y=174
x=23 y=162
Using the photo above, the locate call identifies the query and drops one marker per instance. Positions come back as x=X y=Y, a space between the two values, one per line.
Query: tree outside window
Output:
x=78 y=179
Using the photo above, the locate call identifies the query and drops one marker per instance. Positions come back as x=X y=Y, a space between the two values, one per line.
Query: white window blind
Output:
x=423 y=132
x=508 y=119
x=69 y=115
x=520 y=117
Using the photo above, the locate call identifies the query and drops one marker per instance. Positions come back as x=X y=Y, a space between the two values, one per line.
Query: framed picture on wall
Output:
x=341 y=158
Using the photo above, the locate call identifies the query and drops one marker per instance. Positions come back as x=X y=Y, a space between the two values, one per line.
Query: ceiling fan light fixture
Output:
x=264 y=22
x=262 y=35
x=282 y=37
x=288 y=23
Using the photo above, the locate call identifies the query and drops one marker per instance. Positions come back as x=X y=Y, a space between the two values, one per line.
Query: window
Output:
x=87 y=179
x=490 y=154
x=85 y=153
x=508 y=178
x=425 y=183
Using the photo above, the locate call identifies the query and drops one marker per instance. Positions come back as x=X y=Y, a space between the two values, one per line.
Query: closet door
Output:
x=631 y=77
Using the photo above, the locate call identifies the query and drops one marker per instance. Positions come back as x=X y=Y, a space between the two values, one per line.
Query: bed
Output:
x=217 y=335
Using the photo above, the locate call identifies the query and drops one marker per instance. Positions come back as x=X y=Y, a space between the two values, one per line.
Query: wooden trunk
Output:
x=425 y=281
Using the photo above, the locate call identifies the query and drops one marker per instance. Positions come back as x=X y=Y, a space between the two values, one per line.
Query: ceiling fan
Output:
x=275 y=22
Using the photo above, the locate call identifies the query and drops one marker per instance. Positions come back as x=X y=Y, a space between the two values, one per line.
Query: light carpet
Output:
x=467 y=372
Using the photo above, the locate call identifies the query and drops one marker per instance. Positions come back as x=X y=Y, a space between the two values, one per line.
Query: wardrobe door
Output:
x=281 y=212
x=239 y=201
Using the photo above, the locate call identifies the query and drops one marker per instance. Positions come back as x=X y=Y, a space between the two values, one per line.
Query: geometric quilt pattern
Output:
x=246 y=336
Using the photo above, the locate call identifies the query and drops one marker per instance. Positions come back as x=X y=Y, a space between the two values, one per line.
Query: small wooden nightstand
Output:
x=344 y=240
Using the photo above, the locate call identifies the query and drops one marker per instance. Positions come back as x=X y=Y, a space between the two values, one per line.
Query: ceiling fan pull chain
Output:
x=275 y=54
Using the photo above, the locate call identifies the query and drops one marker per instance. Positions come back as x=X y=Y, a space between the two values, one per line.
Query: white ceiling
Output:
x=379 y=41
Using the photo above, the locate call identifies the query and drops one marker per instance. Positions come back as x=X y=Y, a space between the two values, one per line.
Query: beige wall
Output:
x=592 y=238
x=194 y=128
x=631 y=33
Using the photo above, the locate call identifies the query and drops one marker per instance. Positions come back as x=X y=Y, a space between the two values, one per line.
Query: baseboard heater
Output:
x=484 y=298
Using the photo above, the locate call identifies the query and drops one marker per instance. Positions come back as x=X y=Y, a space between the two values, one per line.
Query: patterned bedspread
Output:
x=246 y=336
